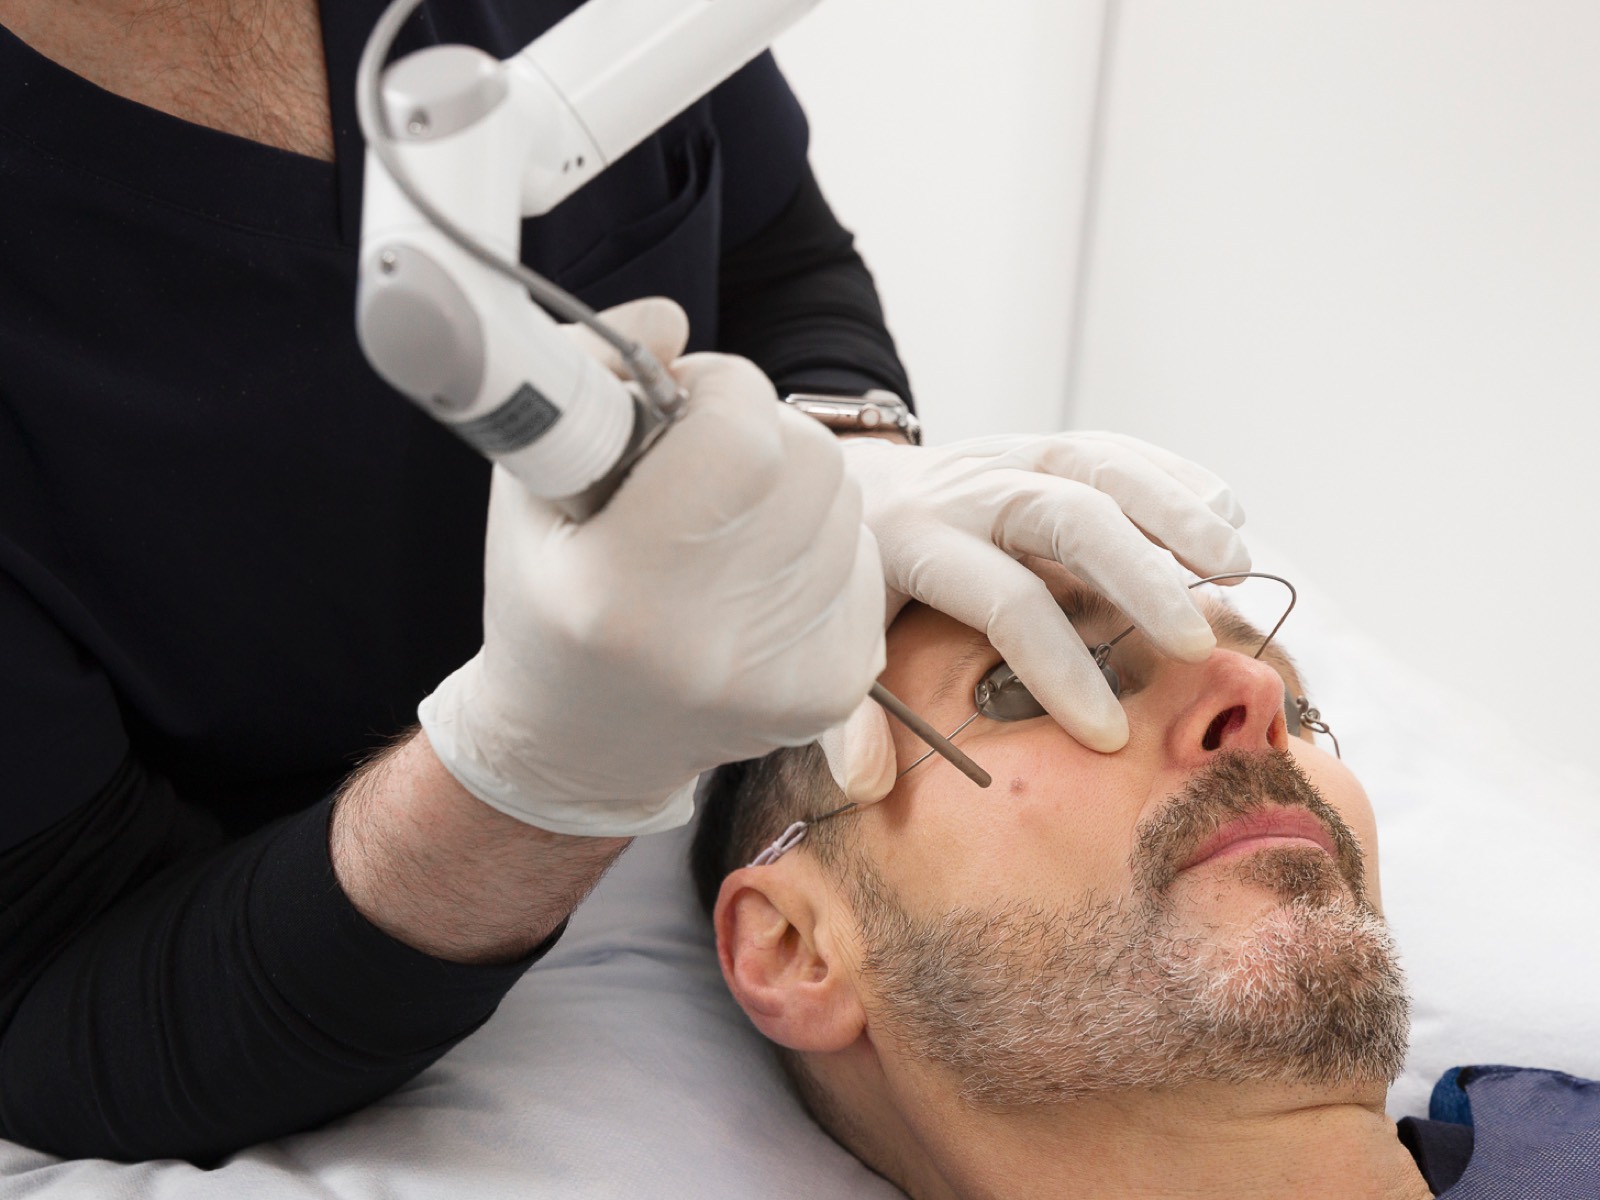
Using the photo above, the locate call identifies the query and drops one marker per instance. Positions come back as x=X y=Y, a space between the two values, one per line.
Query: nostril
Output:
x=1224 y=720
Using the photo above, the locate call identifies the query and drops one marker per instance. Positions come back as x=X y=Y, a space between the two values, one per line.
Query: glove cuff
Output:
x=592 y=820
x=444 y=717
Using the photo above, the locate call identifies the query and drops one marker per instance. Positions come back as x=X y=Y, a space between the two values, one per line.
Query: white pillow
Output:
x=620 y=1067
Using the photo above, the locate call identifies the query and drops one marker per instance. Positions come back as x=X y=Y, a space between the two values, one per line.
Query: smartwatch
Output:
x=877 y=411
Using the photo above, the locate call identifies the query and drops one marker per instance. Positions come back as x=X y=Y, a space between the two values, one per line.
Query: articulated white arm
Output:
x=488 y=143
x=624 y=68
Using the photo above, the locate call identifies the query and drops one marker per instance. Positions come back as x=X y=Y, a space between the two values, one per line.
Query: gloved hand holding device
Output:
x=725 y=602
x=502 y=139
x=951 y=521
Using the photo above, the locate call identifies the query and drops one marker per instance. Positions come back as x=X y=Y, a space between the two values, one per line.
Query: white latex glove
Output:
x=727 y=601
x=952 y=520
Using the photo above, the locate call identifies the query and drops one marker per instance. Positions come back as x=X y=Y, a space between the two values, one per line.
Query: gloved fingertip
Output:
x=1089 y=712
x=1237 y=559
x=657 y=323
x=1193 y=644
x=1219 y=554
x=733 y=381
x=1105 y=736
x=860 y=754
x=866 y=789
x=661 y=325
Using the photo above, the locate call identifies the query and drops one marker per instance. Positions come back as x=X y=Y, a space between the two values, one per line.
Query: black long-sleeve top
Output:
x=232 y=561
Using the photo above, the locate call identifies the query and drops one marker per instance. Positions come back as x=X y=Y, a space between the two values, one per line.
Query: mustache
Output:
x=1235 y=784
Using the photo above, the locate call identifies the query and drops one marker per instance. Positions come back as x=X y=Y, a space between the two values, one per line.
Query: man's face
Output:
x=1198 y=904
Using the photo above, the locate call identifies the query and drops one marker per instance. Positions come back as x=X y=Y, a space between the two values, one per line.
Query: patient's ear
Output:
x=782 y=959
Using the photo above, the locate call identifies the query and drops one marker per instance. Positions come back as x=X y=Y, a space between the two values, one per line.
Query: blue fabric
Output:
x=1449 y=1100
x=1536 y=1133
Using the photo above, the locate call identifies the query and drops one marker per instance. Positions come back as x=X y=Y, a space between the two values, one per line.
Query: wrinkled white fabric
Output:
x=951 y=521
x=727 y=601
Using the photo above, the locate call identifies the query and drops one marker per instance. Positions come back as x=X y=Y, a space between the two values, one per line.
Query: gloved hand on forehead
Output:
x=727 y=601
x=951 y=522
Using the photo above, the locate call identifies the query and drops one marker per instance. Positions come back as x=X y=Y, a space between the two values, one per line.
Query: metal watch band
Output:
x=877 y=411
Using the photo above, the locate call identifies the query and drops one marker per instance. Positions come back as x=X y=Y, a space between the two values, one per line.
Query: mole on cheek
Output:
x=1018 y=785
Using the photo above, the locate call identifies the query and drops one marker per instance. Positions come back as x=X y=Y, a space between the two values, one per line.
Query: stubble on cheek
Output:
x=1027 y=1004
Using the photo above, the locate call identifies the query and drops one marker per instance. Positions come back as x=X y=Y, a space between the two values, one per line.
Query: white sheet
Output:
x=621 y=1068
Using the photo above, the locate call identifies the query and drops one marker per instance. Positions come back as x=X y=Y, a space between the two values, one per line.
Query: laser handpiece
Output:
x=445 y=309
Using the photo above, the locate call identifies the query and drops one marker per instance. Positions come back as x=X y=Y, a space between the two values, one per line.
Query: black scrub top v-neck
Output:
x=266 y=555
x=232 y=561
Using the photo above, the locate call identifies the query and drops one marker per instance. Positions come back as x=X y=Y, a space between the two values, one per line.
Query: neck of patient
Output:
x=1239 y=1141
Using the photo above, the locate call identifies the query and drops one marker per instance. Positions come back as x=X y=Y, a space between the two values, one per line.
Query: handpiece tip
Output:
x=976 y=773
x=936 y=741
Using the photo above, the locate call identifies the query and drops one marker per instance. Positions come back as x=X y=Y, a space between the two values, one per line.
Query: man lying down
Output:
x=1159 y=972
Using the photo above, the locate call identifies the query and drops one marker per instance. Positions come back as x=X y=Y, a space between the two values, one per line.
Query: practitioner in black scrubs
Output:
x=232 y=560
x=239 y=893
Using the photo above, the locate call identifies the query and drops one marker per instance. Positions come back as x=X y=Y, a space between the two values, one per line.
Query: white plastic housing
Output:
x=474 y=177
x=531 y=132
x=623 y=68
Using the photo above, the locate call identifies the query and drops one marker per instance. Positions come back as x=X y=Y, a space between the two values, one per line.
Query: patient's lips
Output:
x=1263 y=830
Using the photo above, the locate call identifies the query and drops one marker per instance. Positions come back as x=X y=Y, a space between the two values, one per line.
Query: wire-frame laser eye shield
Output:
x=1001 y=696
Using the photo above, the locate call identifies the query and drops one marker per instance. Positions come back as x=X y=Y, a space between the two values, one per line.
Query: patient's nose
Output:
x=1237 y=705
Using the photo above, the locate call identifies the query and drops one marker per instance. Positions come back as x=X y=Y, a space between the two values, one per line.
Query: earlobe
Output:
x=781 y=963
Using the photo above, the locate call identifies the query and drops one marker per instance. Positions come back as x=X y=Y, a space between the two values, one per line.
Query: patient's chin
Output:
x=1026 y=1005
x=1311 y=991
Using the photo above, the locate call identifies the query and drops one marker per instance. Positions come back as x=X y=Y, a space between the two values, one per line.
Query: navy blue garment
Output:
x=1441 y=1149
x=1509 y=1133
x=232 y=561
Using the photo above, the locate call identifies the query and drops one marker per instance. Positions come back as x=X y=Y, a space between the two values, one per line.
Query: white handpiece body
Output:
x=489 y=143
x=626 y=67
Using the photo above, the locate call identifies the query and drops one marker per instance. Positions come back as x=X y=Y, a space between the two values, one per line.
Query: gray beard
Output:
x=1027 y=1006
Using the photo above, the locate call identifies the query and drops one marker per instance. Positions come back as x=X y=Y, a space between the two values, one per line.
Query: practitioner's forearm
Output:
x=437 y=869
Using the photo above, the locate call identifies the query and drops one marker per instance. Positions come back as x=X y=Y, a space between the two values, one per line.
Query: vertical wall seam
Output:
x=1099 y=121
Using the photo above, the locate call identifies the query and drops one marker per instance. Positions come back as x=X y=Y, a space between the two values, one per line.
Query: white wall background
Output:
x=955 y=141
x=1345 y=252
